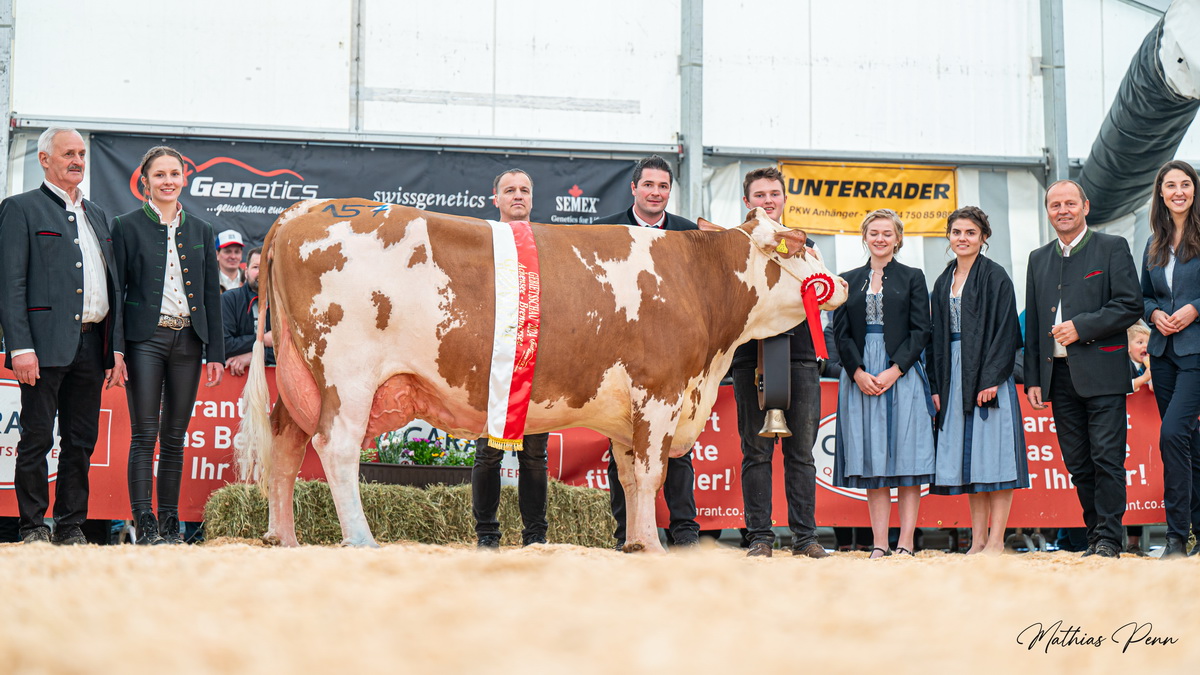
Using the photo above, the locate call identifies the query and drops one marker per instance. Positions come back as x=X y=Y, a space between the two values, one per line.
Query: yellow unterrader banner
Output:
x=834 y=197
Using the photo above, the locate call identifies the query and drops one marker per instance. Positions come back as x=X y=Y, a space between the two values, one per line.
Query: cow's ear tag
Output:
x=782 y=247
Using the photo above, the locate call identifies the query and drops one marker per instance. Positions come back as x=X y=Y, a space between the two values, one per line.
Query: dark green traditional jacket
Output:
x=1098 y=288
x=140 y=241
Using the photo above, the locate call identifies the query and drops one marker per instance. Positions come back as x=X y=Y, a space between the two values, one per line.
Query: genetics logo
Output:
x=207 y=186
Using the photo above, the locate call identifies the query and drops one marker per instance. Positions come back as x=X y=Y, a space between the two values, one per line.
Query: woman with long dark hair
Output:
x=168 y=266
x=1171 y=294
x=884 y=431
x=976 y=334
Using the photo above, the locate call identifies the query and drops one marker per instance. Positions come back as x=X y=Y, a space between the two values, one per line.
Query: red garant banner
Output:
x=579 y=457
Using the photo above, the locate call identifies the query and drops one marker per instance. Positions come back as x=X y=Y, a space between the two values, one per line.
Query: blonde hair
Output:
x=886 y=214
x=1139 y=328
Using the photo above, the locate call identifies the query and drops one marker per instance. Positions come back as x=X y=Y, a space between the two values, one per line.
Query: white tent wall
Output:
x=943 y=77
x=534 y=69
x=261 y=63
x=862 y=77
x=1100 y=38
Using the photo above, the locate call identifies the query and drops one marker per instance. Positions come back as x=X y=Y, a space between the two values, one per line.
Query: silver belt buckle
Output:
x=173 y=322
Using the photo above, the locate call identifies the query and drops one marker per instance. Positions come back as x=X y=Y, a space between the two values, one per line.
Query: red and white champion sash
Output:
x=518 y=321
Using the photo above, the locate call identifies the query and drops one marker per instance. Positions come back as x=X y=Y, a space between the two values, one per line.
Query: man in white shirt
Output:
x=513 y=191
x=60 y=306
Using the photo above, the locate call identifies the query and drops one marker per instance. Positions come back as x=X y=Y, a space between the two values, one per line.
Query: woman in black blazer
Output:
x=884 y=421
x=172 y=322
x=1171 y=295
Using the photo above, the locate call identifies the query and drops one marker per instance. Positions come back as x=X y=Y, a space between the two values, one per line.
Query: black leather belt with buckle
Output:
x=87 y=328
x=174 y=322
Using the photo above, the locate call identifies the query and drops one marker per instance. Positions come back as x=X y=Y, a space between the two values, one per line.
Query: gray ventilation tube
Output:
x=1149 y=117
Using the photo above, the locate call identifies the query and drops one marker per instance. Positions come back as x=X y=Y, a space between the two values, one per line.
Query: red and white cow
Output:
x=382 y=314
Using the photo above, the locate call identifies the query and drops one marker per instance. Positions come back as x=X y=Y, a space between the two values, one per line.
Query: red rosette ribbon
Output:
x=816 y=290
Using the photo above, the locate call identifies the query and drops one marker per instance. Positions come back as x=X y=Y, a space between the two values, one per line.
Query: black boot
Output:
x=168 y=527
x=1175 y=548
x=147 y=529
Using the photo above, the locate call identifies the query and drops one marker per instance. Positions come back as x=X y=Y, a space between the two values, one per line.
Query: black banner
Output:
x=245 y=185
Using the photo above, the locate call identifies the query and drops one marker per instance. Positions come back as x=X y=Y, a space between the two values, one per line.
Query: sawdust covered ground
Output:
x=234 y=607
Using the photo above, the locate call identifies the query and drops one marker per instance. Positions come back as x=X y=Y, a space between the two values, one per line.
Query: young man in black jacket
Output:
x=764 y=188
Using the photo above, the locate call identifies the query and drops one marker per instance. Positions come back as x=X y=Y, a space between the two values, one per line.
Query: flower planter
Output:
x=413 y=474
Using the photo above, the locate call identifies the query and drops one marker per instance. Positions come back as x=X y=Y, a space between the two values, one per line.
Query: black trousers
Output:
x=164 y=373
x=677 y=490
x=1177 y=392
x=532 y=483
x=799 y=468
x=1091 y=434
x=73 y=394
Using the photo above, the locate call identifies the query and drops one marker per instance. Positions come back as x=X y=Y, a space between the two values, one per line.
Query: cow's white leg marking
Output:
x=339 y=455
x=641 y=481
x=658 y=419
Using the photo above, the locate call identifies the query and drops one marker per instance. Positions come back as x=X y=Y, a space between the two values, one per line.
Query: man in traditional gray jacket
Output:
x=60 y=306
x=1082 y=293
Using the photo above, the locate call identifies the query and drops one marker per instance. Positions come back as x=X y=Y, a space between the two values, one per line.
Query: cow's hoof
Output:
x=633 y=547
x=276 y=540
x=369 y=543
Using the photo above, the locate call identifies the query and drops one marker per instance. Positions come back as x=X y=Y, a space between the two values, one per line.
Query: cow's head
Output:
x=786 y=247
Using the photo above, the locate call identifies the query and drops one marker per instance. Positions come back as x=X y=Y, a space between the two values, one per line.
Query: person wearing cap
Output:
x=229 y=259
x=172 y=322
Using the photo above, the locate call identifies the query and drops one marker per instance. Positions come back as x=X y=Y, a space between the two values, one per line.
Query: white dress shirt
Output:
x=1060 y=352
x=95 y=281
x=173 y=297
x=662 y=221
x=1169 y=270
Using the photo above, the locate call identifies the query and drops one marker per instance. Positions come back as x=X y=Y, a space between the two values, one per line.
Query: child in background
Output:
x=1139 y=337
x=1139 y=369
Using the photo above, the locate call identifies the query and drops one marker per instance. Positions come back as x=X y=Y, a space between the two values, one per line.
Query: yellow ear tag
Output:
x=782 y=247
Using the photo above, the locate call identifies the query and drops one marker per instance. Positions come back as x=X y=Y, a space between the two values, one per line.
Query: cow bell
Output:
x=774 y=425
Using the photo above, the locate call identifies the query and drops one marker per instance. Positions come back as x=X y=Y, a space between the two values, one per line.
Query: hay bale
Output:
x=439 y=514
x=579 y=515
x=237 y=510
x=453 y=503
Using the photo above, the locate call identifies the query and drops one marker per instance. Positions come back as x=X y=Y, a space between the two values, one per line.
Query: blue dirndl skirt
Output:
x=982 y=451
x=883 y=441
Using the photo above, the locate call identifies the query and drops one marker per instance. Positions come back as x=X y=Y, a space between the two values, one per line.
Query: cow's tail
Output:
x=253 y=454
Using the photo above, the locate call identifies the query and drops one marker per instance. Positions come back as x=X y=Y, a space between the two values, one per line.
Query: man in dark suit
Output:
x=1081 y=295
x=651 y=187
x=61 y=310
x=512 y=191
